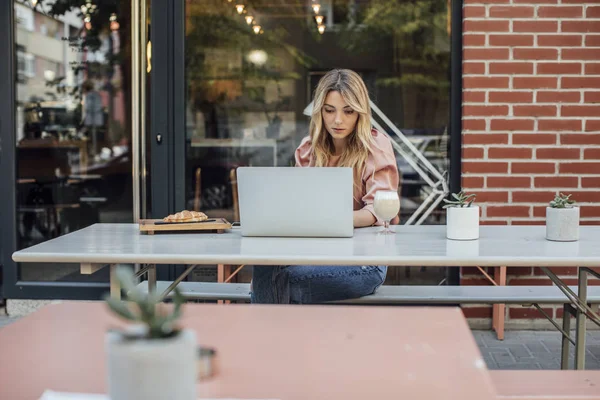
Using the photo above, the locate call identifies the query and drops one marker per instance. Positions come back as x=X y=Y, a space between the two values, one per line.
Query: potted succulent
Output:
x=562 y=219
x=152 y=358
x=462 y=217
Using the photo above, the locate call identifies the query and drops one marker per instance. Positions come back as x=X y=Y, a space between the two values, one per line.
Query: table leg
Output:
x=568 y=311
x=151 y=278
x=580 y=322
x=115 y=287
x=499 y=310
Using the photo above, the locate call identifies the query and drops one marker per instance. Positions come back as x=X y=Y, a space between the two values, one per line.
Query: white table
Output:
x=510 y=246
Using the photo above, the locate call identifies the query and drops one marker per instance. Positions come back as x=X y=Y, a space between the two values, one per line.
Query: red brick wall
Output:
x=531 y=114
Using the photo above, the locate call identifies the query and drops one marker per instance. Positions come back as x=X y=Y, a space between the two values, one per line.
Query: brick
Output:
x=485 y=26
x=486 y=1
x=590 y=182
x=485 y=110
x=474 y=124
x=476 y=68
x=558 y=271
x=509 y=152
x=555 y=182
x=592 y=154
x=534 y=111
x=485 y=138
x=486 y=53
x=530 y=53
x=532 y=168
x=592 y=54
x=492 y=222
x=586 y=196
x=580 y=111
x=507 y=211
x=509 y=68
x=508 y=182
x=560 y=12
x=580 y=138
x=557 y=153
x=583 y=168
x=491 y=197
x=518 y=271
x=534 y=138
x=470 y=96
x=485 y=82
x=465 y=271
x=481 y=167
x=589 y=211
x=532 y=82
x=539 y=211
x=552 y=96
x=559 y=124
x=511 y=40
x=528 y=313
x=472 y=182
x=477 y=312
x=474 y=40
x=584 y=82
x=474 y=281
x=511 y=97
x=533 y=196
x=511 y=11
x=576 y=1
x=592 y=40
x=559 y=68
x=535 y=26
x=535 y=1
x=472 y=152
x=580 y=26
x=592 y=126
x=511 y=125
x=592 y=68
x=591 y=97
x=560 y=40
x=473 y=11
x=527 y=222
x=592 y=12
x=531 y=282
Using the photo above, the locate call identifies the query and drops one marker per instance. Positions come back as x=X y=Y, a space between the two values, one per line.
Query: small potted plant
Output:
x=152 y=358
x=462 y=217
x=562 y=219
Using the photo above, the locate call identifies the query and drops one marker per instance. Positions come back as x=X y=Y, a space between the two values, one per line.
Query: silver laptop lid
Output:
x=293 y=201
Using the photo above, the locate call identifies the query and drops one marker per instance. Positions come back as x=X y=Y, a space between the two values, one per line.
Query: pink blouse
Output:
x=380 y=173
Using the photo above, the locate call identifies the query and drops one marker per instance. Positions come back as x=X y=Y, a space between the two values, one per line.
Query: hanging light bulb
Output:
x=34 y=3
x=239 y=8
x=316 y=7
x=84 y=9
x=256 y=29
x=319 y=19
x=321 y=29
x=249 y=19
x=88 y=22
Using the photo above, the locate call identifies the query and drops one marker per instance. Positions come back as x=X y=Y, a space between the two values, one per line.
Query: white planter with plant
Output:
x=462 y=217
x=152 y=359
x=562 y=219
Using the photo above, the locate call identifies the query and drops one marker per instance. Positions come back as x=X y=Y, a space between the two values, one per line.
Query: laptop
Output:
x=295 y=202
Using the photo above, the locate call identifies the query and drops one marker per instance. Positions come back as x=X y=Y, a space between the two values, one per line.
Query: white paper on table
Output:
x=52 y=395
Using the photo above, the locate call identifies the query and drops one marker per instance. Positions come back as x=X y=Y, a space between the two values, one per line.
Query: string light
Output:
x=316 y=7
x=319 y=19
x=114 y=24
x=239 y=8
x=256 y=29
x=321 y=29
x=249 y=19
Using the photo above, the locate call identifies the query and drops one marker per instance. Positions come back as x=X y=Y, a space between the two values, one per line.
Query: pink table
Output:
x=282 y=352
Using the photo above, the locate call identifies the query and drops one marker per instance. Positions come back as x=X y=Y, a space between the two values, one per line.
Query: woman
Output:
x=340 y=135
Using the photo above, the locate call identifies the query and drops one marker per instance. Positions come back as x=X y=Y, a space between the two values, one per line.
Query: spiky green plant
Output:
x=461 y=200
x=562 y=201
x=146 y=308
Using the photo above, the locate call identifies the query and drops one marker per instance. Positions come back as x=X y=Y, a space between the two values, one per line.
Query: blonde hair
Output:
x=354 y=92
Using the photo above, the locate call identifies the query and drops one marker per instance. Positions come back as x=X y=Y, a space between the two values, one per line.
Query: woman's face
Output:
x=339 y=118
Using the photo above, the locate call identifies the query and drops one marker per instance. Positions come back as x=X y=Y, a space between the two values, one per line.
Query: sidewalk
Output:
x=518 y=350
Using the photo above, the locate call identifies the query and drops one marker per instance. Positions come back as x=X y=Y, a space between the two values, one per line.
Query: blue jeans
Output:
x=312 y=284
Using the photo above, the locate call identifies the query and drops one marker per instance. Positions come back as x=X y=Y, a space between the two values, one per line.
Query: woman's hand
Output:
x=363 y=218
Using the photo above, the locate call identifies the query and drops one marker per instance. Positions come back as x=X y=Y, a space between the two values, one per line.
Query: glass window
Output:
x=73 y=133
x=251 y=68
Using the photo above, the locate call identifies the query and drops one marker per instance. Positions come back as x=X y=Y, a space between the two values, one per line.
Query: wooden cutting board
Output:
x=150 y=226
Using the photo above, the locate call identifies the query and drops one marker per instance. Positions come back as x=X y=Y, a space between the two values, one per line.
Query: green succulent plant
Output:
x=562 y=201
x=461 y=200
x=146 y=309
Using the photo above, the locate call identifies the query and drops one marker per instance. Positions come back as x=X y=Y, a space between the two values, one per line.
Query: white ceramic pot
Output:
x=152 y=368
x=562 y=224
x=462 y=223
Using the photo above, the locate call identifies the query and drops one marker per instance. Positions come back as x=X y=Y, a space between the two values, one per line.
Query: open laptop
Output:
x=291 y=201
